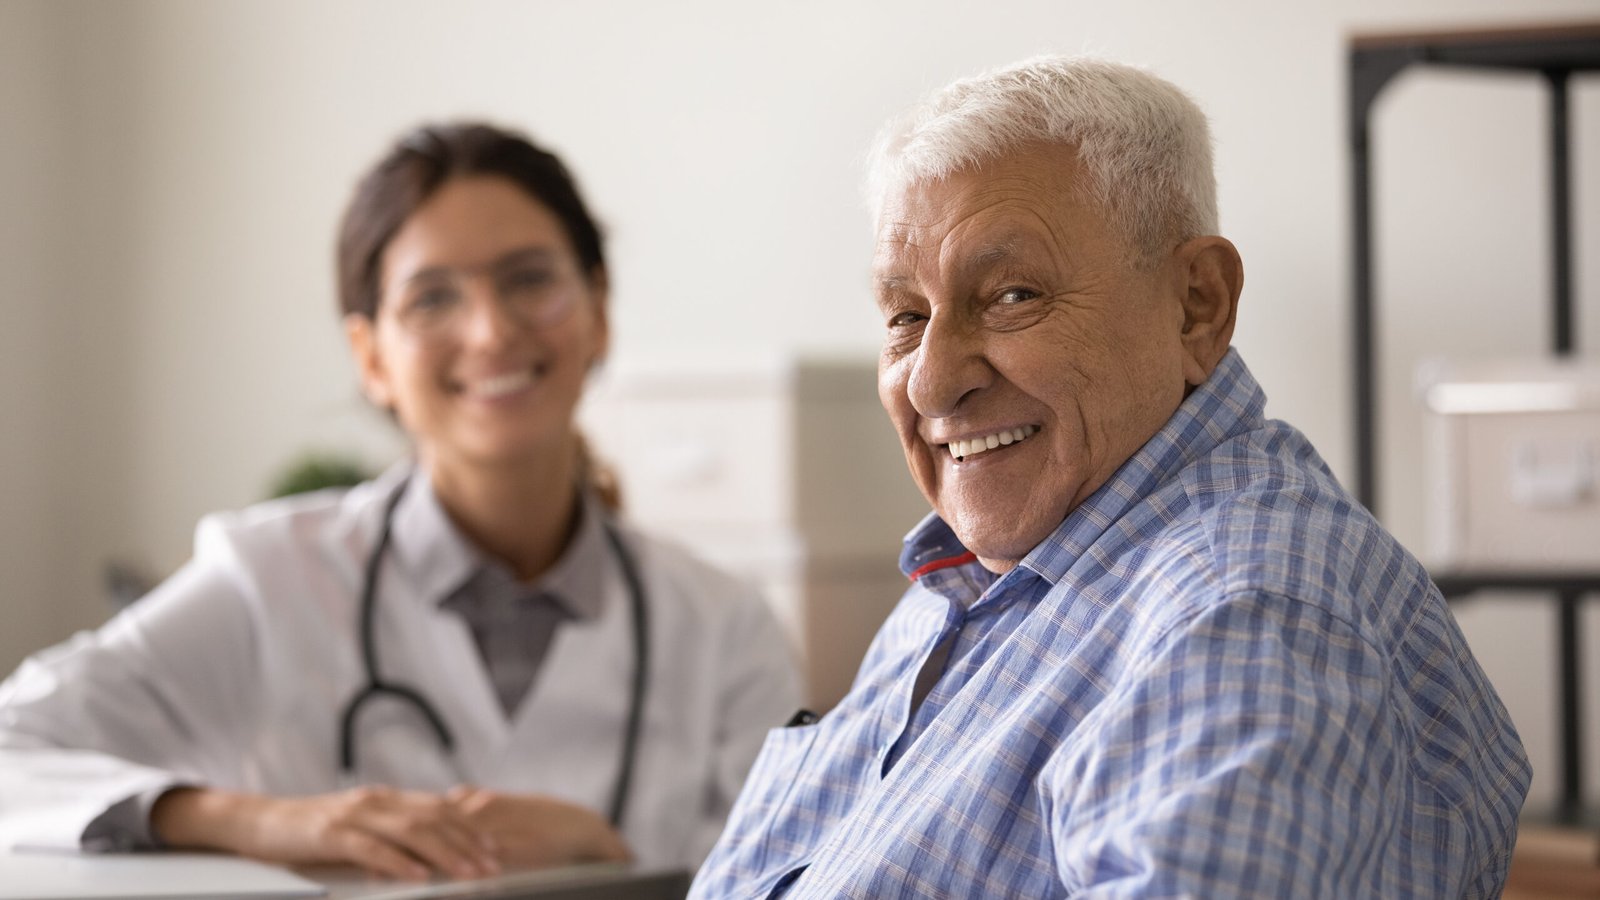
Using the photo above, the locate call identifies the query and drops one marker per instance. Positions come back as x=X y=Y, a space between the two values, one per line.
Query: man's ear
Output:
x=360 y=331
x=1212 y=276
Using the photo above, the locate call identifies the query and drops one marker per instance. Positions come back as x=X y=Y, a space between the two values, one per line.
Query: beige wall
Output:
x=170 y=173
x=62 y=353
x=30 y=91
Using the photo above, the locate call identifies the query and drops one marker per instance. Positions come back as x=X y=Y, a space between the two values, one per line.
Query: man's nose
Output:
x=950 y=366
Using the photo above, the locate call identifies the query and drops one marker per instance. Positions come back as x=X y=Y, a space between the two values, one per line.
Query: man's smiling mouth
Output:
x=973 y=446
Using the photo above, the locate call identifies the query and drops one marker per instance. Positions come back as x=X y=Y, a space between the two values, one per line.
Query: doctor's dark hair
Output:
x=418 y=164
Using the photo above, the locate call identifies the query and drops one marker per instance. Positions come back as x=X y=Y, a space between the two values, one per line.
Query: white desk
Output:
x=61 y=876
x=136 y=876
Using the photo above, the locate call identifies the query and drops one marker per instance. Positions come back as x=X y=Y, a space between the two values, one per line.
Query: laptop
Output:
x=591 y=882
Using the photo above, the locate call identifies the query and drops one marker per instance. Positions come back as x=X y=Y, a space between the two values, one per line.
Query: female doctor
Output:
x=465 y=664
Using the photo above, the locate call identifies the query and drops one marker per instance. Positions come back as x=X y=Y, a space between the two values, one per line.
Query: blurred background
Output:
x=171 y=173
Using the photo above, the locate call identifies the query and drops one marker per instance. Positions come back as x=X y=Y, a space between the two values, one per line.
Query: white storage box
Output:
x=784 y=471
x=1513 y=450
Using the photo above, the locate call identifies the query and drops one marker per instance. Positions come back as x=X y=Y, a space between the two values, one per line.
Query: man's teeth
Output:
x=500 y=385
x=964 y=449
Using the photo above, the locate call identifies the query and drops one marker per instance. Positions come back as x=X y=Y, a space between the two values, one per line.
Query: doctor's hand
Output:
x=532 y=831
x=401 y=834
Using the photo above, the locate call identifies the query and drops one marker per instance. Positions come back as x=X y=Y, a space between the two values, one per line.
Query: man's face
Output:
x=1013 y=310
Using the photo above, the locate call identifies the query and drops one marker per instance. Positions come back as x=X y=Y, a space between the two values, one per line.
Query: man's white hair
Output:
x=1144 y=144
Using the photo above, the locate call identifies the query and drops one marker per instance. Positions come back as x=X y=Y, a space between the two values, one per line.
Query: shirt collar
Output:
x=1229 y=402
x=440 y=561
x=934 y=558
x=575 y=580
x=435 y=557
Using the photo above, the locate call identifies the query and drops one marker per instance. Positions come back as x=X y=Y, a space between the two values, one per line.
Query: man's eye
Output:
x=906 y=319
x=1017 y=295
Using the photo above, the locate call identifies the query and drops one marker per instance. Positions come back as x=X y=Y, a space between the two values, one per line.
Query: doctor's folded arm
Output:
x=470 y=663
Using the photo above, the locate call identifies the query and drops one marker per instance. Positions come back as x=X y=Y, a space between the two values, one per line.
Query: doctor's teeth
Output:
x=501 y=384
x=974 y=446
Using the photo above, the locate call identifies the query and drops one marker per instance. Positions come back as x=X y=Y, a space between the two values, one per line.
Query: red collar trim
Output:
x=947 y=562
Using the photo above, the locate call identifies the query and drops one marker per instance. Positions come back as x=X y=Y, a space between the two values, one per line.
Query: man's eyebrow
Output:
x=889 y=285
x=992 y=253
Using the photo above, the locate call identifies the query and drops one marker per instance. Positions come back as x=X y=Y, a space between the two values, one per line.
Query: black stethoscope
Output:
x=376 y=686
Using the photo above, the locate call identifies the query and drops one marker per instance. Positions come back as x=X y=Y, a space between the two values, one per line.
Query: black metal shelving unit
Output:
x=1556 y=52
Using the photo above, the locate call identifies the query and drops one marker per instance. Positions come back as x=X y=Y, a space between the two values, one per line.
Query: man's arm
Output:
x=1255 y=755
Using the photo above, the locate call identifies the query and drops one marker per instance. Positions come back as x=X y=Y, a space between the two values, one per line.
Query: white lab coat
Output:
x=235 y=671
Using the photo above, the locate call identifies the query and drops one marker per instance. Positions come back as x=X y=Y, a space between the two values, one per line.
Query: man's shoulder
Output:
x=1267 y=494
x=1263 y=514
x=1271 y=462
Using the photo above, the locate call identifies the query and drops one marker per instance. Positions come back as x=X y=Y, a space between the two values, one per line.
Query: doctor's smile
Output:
x=499 y=387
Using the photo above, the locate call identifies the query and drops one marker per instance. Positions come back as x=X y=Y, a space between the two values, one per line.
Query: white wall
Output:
x=170 y=173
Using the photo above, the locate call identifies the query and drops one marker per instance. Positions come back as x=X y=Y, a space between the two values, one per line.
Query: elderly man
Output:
x=1151 y=646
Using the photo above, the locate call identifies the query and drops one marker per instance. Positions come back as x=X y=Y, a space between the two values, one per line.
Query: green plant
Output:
x=316 y=470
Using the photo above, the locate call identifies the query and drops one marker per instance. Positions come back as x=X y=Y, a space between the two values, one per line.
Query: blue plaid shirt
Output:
x=1219 y=677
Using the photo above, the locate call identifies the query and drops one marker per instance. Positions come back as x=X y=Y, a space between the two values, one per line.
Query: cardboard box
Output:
x=1513 y=450
x=784 y=471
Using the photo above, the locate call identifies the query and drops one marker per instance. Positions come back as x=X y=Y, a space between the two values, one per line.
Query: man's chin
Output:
x=998 y=553
x=997 y=566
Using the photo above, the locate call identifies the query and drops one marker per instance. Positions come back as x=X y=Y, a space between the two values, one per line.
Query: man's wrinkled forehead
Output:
x=978 y=223
x=904 y=215
x=898 y=238
x=917 y=215
x=901 y=252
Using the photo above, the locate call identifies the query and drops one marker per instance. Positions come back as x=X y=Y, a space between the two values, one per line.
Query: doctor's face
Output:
x=1025 y=355
x=486 y=326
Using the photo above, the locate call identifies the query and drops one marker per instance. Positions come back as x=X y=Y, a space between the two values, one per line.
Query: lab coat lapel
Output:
x=431 y=560
x=572 y=721
x=430 y=651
